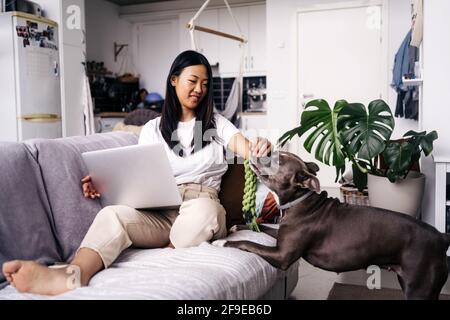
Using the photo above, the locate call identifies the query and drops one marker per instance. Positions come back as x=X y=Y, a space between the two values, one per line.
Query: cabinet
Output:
x=226 y=52
x=229 y=50
x=252 y=20
x=257 y=39
x=435 y=213
x=207 y=44
x=253 y=124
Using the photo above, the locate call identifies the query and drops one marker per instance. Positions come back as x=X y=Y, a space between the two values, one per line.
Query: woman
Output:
x=194 y=139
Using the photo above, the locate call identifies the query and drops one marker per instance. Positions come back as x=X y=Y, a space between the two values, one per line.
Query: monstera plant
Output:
x=352 y=134
x=347 y=133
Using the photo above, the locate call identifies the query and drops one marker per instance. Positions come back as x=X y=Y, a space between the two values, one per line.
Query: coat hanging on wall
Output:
x=404 y=66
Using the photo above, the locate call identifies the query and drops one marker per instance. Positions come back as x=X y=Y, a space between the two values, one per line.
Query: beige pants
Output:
x=200 y=218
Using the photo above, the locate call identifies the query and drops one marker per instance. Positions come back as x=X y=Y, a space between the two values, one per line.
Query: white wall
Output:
x=51 y=9
x=281 y=52
x=103 y=28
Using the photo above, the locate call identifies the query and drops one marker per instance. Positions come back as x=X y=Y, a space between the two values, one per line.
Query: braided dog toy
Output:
x=249 y=200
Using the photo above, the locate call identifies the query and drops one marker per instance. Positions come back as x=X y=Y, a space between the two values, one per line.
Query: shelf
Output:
x=412 y=82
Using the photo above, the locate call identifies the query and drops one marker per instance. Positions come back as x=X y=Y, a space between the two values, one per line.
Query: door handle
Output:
x=56 y=68
x=41 y=117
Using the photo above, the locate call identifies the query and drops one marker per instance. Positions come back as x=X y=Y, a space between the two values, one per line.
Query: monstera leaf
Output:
x=423 y=140
x=363 y=134
x=400 y=156
x=320 y=121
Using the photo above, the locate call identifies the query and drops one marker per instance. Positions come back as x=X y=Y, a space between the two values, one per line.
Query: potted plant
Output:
x=407 y=185
x=351 y=134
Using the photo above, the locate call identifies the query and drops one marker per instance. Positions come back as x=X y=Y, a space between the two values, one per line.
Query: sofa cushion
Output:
x=62 y=170
x=26 y=230
x=205 y=272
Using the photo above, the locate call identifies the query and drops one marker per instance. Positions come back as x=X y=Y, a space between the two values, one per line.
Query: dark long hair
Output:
x=171 y=111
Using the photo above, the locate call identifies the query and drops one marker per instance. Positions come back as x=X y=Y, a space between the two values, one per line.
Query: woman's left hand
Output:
x=260 y=147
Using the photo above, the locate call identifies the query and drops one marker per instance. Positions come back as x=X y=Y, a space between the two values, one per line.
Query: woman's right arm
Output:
x=88 y=188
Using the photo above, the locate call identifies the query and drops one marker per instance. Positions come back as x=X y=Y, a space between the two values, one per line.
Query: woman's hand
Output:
x=88 y=188
x=260 y=147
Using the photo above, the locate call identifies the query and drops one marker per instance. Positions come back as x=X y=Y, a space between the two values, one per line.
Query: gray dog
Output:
x=340 y=237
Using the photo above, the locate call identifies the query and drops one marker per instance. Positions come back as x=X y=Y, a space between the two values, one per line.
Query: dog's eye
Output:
x=302 y=178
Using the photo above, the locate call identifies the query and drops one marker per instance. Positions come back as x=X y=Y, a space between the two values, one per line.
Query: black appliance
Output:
x=22 y=6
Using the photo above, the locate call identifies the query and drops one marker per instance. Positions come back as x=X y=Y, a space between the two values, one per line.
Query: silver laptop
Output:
x=138 y=176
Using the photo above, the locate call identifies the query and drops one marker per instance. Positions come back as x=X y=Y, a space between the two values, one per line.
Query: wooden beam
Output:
x=218 y=33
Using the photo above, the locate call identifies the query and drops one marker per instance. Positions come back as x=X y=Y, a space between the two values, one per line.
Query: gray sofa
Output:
x=44 y=217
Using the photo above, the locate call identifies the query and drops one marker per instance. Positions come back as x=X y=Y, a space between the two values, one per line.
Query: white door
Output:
x=157 y=48
x=339 y=57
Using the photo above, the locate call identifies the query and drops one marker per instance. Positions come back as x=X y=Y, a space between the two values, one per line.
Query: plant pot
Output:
x=404 y=196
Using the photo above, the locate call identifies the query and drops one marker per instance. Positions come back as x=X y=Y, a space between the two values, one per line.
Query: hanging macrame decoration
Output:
x=234 y=100
x=249 y=200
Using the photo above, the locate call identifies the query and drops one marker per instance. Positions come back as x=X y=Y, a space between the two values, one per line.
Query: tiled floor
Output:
x=313 y=283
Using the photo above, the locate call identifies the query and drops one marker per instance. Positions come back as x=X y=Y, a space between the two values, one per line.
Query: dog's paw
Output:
x=234 y=229
x=219 y=243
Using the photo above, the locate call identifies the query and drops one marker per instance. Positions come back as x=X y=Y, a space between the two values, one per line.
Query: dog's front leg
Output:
x=270 y=254
x=273 y=255
x=273 y=232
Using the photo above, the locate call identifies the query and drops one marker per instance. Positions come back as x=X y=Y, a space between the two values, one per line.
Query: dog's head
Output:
x=285 y=174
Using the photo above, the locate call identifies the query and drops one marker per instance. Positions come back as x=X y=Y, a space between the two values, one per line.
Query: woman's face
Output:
x=191 y=86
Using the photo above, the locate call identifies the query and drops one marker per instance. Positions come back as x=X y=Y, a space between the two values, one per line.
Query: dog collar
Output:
x=295 y=202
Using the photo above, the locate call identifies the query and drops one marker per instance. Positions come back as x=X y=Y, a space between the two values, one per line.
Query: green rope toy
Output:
x=249 y=200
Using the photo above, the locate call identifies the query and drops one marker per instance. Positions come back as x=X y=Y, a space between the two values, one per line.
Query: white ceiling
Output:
x=131 y=2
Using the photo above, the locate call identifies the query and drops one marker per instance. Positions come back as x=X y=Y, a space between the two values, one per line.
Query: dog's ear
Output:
x=312 y=167
x=308 y=181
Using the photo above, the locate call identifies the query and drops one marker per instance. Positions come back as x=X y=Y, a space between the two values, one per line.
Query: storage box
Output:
x=351 y=195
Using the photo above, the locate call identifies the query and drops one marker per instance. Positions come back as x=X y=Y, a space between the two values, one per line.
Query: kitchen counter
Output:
x=111 y=114
x=253 y=113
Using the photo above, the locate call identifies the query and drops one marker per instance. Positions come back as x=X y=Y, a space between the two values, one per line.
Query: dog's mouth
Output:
x=257 y=171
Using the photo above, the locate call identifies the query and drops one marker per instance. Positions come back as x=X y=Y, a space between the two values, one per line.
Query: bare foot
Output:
x=31 y=277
